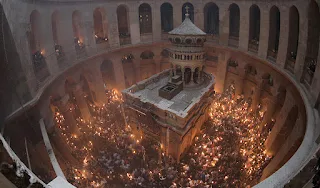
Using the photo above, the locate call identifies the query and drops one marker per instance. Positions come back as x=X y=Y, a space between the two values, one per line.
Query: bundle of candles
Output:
x=229 y=151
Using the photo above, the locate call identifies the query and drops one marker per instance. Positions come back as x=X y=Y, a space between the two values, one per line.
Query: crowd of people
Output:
x=229 y=151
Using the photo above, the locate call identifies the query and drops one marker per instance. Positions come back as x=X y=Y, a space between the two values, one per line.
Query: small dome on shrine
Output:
x=187 y=28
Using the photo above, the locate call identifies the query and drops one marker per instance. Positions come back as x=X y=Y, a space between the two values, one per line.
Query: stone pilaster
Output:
x=224 y=25
x=47 y=45
x=198 y=14
x=134 y=24
x=239 y=84
x=222 y=71
x=287 y=149
x=177 y=14
x=81 y=102
x=264 y=32
x=257 y=95
x=269 y=112
x=65 y=36
x=112 y=20
x=88 y=30
x=303 y=39
x=284 y=37
x=64 y=108
x=271 y=143
x=244 y=27
x=118 y=72
x=156 y=21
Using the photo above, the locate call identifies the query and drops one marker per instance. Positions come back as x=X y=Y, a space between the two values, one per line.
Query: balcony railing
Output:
x=253 y=46
x=233 y=41
x=290 y=64
x=272 y=55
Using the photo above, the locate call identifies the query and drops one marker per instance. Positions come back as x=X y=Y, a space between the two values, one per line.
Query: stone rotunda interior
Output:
x=155 y=93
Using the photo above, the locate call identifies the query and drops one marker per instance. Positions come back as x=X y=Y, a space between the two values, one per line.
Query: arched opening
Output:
x=100 y=26
x=310 y=63
x=147 y=55
x=166 y=17
x=55 y=23
x=39 y=63
x=211 y=19
x=274 y=33
x=107 y=73
x=234 y=25
x=254 y=28
x=293 y=40
x=78 y=34
x=145 y=18
x=190 y=8
x=129 y=70
x=123 y=25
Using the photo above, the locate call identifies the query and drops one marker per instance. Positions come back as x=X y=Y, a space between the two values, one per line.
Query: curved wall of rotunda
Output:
x=267 y=50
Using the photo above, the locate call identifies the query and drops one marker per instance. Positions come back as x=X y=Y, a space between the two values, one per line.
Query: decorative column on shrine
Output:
x=187 y=52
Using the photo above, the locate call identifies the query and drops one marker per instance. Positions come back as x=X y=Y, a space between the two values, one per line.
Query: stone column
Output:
x=134 y=24
x=198 y=14
x=20 y=31
x=47 y=45
x=62 y=146
x=284 y=37
x=256 y=95
x=156 y=21
x=64 y=107
x=98 y=87
x=240 y=83
x=81 y=102
x=287 y=149
x=199 y=75
x=177 y=14
x=113 y=33
x=244 y=27
x=182 y=71
x=264 y=32
x=221 y=71
x=65 y=36
x=224 y=25
x=88 y=30
x=192 y=72
x=271 y=142
x=118 y=72
x=303 y=39
x=271 y=108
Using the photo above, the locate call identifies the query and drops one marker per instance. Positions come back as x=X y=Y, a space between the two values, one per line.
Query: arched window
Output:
x=147 y=55
x=100 y=25
x=166 y=17
x=145 y=18
x=312 y=43
x=190 y=8
x=274 y=32
x=211 y=19
x=123 y=25
x=254 y=28
x=234 y=22
x=293 y=38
